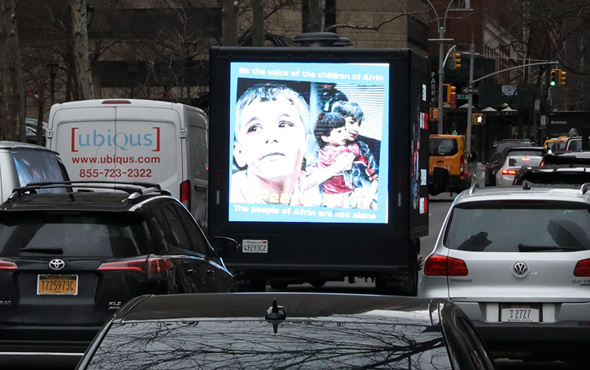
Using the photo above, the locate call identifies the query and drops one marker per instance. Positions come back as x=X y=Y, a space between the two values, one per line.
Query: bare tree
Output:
x=11 y=87
x=83 y=75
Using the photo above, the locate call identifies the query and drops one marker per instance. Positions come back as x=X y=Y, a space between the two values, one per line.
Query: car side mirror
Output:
x=224 y=246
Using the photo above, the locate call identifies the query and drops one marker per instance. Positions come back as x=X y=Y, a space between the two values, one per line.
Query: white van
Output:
x=135 y=140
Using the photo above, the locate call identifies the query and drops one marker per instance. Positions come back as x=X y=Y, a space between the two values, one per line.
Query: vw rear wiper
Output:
x=43 y=250
x=541 y=248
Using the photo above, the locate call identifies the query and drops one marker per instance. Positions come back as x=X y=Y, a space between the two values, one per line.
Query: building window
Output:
x=461 y=4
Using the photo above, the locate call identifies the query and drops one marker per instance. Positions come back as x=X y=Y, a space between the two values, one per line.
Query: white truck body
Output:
x=135 y=140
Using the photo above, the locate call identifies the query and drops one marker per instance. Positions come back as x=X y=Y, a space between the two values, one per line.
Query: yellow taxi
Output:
x=556 y=143
x=450 y=152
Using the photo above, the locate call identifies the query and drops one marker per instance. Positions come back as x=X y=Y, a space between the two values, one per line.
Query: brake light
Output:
x=463 y=165
x=582 y=268
x=7 y=266
x=154 y=267
x=437 y=265
x=185 y=193
x=116 y=102
x=509 y=172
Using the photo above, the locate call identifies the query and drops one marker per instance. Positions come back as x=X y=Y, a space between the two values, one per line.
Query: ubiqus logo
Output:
x=121 y=140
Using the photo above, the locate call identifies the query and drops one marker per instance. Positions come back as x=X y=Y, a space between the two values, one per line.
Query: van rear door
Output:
x=148 y=146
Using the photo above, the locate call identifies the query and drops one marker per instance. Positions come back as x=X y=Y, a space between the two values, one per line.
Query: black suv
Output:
x=69 y=260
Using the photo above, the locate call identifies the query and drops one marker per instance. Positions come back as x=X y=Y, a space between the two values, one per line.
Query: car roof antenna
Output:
x=275 y=315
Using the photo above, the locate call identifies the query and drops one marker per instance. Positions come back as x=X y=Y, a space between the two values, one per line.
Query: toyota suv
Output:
x=517 y=261
x=69 y=260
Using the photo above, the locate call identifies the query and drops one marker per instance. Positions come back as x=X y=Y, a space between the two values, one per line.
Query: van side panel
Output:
x=198 y=162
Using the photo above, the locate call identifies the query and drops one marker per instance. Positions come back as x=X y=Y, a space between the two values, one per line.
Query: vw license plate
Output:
x=57 y=284
x=520 y=313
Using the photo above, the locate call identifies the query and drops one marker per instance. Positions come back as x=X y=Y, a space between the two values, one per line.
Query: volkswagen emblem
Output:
x=520 y=269
x=57 y=264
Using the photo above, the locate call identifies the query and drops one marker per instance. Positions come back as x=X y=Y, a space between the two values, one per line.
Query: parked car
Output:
x=69 y=260
x=514 y=158
x=553 y=175
x=516 y=260
x=450 y=152
x=493 y=163
x=22 y=163
x=31 y=127
x=287 y=330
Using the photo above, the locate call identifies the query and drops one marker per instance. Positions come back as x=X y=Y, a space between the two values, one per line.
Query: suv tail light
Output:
x=185 y=194
x=582 y=268
x=153 y=267
x=437 y=265
x=509 y=172
x=4 y=265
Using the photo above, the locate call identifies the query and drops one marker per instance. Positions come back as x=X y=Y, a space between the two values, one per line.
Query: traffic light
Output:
x=554 y=77
x=445 y=94
x=433 y=114
x=478 y=119
x=457 y=60
x=561 y=78
x=450 y=91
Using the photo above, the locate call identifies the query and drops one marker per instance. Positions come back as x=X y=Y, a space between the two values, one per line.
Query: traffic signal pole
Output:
x=470 y=97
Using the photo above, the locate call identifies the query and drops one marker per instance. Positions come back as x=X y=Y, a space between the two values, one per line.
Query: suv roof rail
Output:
x=473 y=188
x=134 y=189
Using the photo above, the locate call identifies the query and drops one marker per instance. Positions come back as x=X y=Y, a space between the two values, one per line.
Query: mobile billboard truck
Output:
x=319 y=164
x=134 y=140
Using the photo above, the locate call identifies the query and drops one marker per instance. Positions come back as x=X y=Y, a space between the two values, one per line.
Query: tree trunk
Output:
x=229 y=15
x=83 y=75
x=12 y=96
x=258 y=23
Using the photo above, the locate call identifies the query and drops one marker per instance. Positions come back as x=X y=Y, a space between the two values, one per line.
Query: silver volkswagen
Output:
x=517 y=261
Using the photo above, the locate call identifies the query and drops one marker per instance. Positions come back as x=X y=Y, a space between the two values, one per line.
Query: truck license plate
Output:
x=57 y=284
x=254 y=246
x=520 y=313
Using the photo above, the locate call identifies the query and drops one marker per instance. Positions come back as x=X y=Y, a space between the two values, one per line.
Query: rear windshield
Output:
x=244 y=344
x=524 y=159
x=443 y=147
x=38 y=166
x=514 y=229
x=71 y=235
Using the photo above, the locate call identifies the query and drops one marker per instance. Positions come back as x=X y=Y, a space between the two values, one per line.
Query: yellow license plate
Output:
x=57 y=284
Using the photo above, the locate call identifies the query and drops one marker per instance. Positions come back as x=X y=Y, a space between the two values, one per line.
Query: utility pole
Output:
x=470 y=96
x=441 y=58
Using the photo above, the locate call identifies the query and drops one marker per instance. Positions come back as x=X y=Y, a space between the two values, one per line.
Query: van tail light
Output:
x=154 y=267
x=4 y=265
x=509 y=172
x=437 y=265
x=116 y=102
x=463 y=165
x=185 y=194
x=582 y=268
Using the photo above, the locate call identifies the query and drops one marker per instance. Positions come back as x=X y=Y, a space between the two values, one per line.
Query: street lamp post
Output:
x=52 y=67
x=441 y=66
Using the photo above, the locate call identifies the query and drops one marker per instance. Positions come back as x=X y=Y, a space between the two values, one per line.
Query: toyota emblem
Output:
x=520 y=269
x=57 y=264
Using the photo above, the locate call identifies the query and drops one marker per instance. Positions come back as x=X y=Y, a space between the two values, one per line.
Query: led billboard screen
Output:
x=309 y=142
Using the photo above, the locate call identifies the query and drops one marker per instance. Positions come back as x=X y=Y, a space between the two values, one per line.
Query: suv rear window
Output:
x=443 y=147
x=72 y=235
x=514 y=229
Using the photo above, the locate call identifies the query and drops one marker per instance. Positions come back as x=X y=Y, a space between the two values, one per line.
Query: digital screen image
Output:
x=309 y=142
